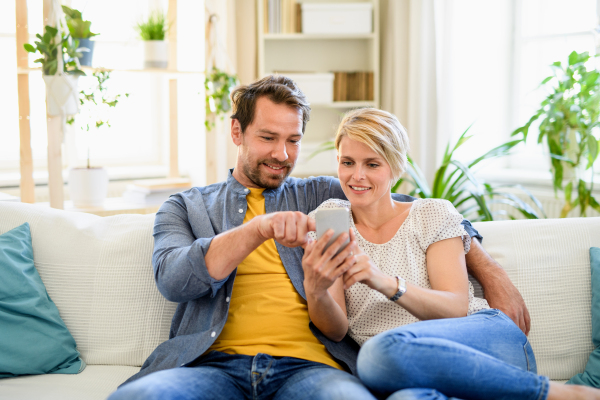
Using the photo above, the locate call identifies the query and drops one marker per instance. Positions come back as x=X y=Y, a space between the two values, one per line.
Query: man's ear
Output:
x=236 y=132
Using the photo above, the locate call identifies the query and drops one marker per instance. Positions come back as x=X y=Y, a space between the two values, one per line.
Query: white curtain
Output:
x=445 y=65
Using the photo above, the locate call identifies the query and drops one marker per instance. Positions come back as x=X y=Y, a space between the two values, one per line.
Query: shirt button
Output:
x=240 y=211
x=246 y=190
x=213 y=334
x=227 y=300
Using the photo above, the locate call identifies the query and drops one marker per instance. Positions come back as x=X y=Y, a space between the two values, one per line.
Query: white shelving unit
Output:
x=55 y=124
x=298 y=52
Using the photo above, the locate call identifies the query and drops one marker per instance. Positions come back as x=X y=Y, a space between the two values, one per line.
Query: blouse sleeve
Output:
x=439 y=220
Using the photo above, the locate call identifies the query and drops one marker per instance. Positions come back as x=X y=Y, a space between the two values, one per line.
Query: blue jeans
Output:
x=482 y=356
x=223 y=376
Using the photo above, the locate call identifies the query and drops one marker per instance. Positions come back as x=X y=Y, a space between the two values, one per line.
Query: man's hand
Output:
x=290 y=228
x=498 y=289
x=507 y=299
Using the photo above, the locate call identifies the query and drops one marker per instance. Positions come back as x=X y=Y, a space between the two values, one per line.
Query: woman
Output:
x=408 y=301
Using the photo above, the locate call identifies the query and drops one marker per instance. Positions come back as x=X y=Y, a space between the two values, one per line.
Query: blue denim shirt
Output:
x=184 y=228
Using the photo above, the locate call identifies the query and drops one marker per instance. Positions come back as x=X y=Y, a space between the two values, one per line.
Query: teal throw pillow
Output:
x=33 y=338
x=591 y=375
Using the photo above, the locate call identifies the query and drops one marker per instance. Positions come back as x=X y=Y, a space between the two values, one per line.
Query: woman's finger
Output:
x=358 y=277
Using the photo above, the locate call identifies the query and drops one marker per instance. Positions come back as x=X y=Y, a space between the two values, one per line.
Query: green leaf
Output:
x=29 y=48
x=568 y=191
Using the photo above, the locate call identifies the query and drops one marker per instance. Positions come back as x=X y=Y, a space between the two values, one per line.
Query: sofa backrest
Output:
x=548 y=261
x=98 y=271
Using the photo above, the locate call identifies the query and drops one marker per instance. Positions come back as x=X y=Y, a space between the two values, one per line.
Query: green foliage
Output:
x=569 y=127
x=218 y=85
x=154 y=28
x=95 y=103
x=455 y=182
x=78 y=27
x=50 y=49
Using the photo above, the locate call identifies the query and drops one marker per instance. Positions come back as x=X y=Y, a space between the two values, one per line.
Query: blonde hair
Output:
x=381 y=132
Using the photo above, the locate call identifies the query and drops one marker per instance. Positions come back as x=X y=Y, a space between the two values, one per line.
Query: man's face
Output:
x=268 y=150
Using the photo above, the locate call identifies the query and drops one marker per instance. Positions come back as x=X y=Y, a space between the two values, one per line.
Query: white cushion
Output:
x=98 y=271
x=548 y=261
x=96 y=382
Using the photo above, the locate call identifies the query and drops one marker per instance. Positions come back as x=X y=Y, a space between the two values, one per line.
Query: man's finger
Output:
x=311 y=225
x=527 y=321
x=291 y=227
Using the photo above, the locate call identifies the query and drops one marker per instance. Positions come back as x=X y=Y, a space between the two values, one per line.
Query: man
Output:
x=230 y=255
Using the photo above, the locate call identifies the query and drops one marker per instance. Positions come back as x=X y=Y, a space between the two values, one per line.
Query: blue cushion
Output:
x=33 y=337
x=591 y=375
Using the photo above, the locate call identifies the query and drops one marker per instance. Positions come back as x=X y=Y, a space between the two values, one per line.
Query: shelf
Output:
x=346 y=104
x=309 y=36
x=146 y=71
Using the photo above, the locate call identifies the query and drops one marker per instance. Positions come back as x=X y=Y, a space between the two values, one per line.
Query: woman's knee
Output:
x=384 y=357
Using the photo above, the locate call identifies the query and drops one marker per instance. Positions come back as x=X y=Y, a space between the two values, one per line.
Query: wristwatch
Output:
x=401 y=289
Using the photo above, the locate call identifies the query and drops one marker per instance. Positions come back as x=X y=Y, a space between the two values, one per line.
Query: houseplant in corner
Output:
x=59 y=68
x=88 y=185
x=80 y=30
x=570 y=129
x=153 y=31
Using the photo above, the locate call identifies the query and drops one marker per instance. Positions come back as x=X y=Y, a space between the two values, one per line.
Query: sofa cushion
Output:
x=34 y=338
x=96 y=382
x=548 y=261
x=98 y=271
x=591 y=375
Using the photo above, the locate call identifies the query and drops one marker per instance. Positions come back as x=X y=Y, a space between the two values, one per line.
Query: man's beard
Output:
x=259 y=179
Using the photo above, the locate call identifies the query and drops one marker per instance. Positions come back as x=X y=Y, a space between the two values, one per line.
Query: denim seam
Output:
x=263 y=374
x=526 y=355
x=545 y=388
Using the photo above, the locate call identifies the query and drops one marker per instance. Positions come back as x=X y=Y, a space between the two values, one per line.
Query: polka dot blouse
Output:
x=429 y=221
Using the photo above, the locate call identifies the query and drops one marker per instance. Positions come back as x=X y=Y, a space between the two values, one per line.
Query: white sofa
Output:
x=98 y=272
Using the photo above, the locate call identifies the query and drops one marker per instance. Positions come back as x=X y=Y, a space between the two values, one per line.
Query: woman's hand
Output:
x=323 y=268
x=365 y=271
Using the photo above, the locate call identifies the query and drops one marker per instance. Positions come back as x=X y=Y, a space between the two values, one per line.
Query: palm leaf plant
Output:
x=569 y=127
x=454 y=181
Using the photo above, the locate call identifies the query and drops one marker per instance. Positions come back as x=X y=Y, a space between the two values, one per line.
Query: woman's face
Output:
x=366 y=177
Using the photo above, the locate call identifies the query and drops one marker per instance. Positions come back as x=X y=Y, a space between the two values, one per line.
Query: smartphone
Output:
x=337 y=219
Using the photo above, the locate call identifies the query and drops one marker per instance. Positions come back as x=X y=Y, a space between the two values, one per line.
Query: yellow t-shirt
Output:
x=266 y=313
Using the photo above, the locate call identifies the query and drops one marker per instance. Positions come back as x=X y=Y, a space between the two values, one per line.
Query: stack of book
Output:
x=154 y=192
x=353 y=86
x=282 y=16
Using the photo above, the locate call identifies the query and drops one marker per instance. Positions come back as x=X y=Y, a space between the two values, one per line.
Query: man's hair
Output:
x=277 y=88
x=381 y=132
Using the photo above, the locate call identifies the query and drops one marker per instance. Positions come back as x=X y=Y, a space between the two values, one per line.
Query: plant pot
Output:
x=62 y=94
x=86 y=58
x=156 y=54
x=88 y=186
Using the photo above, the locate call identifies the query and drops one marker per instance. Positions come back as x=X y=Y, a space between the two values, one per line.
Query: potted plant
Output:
x=80 y=30
x=60 y=69
x=88 y=186
x=569 y=127
x=153 y=31
x=218 y=85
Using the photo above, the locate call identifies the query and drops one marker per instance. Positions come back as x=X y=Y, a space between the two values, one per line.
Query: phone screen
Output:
x=337 y=219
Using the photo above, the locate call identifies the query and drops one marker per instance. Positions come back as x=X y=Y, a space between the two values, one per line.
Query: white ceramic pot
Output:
x=88 y=186
x=156 y=54
x=62 y=94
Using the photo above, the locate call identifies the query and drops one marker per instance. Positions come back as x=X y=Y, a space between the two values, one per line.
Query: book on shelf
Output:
x=353 y=86
x=282 y=16
x=154 y=191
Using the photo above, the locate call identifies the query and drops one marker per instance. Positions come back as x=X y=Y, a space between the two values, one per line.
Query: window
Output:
x=137 y=141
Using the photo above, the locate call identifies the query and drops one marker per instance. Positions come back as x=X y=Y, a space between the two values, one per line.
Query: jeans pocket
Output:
x=530 y=357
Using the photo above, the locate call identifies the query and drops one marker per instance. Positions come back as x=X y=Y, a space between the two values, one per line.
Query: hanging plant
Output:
x=218 y=86
x=50 y=49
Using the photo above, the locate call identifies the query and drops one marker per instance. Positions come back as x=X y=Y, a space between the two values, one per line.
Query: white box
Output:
x=337 y=18
x=317 y=87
